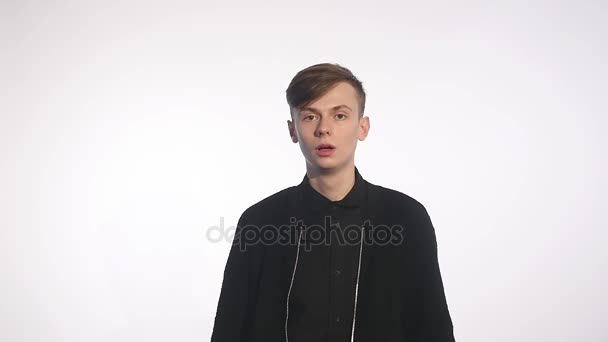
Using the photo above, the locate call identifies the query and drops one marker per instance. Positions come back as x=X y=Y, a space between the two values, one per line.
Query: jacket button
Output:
x=337 y=318
x=337 y=272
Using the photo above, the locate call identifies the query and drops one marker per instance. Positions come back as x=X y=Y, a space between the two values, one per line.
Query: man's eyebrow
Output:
x=316 y=111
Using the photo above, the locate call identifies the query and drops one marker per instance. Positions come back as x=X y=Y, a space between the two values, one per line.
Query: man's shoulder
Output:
x=393 y=200
x=273 y=203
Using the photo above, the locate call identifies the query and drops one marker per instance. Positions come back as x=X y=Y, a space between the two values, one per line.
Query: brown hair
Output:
x=313 y=82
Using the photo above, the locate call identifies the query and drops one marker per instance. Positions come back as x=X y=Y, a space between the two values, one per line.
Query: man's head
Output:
x=326 y=103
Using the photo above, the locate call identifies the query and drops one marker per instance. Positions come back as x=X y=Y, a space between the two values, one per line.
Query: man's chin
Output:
x=325 y=163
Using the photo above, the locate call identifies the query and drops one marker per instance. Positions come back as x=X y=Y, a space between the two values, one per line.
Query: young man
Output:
x=335 y=258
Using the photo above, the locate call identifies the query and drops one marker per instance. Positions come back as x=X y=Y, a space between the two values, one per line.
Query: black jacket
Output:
x=400 y=293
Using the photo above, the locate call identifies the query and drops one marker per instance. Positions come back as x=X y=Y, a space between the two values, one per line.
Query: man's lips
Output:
x=325 y=147
x=325 y=150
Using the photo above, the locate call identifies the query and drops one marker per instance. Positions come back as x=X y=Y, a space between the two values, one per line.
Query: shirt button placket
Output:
x=332 y=210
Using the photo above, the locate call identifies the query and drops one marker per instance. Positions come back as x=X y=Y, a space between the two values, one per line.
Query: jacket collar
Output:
x=356 y=197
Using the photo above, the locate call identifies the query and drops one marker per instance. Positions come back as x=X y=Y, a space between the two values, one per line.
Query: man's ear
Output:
x=292 y=131
x=363 y=128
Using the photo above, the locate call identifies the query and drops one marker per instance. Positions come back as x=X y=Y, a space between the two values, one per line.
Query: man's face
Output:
x=332 y=119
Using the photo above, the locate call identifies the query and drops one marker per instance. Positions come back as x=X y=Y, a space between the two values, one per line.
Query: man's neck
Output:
x=334 y=185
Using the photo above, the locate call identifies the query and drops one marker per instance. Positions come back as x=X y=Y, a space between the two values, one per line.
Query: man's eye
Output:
x=311 y=117
x=343 y=116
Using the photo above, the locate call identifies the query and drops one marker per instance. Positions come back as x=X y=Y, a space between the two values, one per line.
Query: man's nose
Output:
x=323 y=127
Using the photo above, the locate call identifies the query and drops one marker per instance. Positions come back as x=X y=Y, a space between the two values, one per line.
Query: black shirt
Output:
x=400 y=290
x=322 y=299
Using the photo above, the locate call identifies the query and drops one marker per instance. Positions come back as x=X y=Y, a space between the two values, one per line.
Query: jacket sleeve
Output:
x=235 y=296
x=433 y=323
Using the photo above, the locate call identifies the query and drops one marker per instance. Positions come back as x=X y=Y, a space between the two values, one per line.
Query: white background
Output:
x=128 y=128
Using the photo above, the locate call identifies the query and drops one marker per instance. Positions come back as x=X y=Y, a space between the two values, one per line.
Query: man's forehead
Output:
x=313 y=108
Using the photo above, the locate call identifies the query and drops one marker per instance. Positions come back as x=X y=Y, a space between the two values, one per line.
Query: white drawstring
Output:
x=291 y=285
x=352 y=335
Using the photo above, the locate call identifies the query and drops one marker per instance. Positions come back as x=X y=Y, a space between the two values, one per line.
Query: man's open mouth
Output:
x=325 y=147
